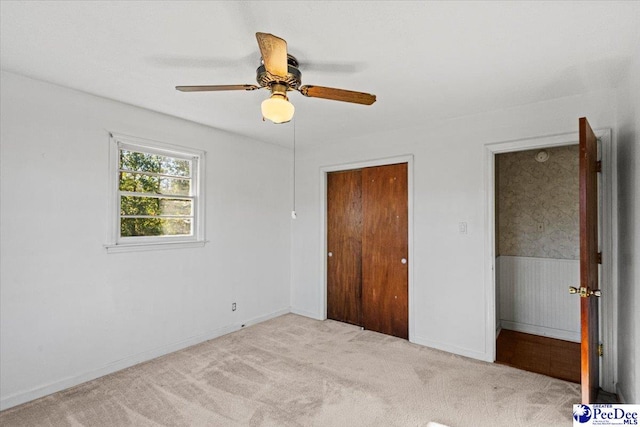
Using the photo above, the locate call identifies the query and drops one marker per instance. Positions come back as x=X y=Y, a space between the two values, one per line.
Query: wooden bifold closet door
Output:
x=367 y=240
x=344 y=241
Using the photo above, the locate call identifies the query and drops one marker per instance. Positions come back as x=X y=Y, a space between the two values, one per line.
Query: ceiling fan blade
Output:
x=215 y=88
x=274 y=53
x=338 y=94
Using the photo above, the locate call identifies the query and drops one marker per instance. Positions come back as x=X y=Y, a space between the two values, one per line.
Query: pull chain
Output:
x=293 y=212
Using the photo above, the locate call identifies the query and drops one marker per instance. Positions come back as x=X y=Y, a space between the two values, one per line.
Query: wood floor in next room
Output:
x=543 y=355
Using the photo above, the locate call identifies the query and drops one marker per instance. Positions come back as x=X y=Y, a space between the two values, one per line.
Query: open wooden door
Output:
x=589 y=260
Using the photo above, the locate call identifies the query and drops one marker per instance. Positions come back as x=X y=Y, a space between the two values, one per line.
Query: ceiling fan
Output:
x=279 y=73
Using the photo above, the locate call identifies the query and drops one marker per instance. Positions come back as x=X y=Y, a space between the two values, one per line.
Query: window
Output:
x=157 y=195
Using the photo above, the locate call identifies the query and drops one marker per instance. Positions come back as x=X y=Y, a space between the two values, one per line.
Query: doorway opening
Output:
x=608 y=251
x=537 y=247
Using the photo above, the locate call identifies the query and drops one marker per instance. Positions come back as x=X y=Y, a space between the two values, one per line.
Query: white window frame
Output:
x=116 y=243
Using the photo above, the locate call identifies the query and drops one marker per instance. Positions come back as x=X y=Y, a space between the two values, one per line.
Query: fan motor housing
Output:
x=292 y=80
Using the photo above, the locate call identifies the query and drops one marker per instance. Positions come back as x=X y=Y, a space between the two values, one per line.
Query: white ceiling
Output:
x=425 y=61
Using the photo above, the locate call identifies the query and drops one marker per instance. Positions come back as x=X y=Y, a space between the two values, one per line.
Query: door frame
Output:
x=608 y=231
x=324 y=171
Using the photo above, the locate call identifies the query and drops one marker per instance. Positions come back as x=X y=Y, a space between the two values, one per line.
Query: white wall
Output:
x=70 y=311
x=628 y=122
x=449 y=307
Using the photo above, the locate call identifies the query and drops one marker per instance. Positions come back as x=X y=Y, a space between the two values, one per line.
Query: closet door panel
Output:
x=344 y=246
x=385 y=270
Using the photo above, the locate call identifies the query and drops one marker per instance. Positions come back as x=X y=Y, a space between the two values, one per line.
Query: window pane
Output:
x=176 y=207
x=141 y=183
x=175 y=186
x=132 y=227
x=133 y=205
x=146 y=162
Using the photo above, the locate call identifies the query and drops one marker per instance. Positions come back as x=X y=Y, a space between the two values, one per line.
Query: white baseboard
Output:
x=559 y=334
x=65 y=383
x=486 y=357
x=264 y=318
x=306 y=313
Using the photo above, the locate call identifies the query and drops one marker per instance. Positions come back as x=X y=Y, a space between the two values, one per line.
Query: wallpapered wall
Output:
x=537 y=204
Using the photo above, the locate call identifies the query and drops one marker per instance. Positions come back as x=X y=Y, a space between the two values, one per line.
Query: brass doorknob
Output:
x=585 y=292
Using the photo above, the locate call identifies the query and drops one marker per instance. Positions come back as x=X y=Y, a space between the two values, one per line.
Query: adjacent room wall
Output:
x=449 y=306
x=628 y=136
x=538 y=241
x=538 y=204
x=70 y=311
x=533 y=298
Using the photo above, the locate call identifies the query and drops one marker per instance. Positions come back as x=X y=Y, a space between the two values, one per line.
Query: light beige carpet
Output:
x=295 y=371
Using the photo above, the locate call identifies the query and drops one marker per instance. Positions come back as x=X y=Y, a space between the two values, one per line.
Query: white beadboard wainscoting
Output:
x=533 y=295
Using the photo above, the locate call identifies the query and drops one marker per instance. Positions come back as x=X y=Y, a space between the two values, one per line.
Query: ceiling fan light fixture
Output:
x=277 y=108
x=280 y=74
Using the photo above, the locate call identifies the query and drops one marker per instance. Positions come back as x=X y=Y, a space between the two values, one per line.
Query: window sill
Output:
x=138 y=247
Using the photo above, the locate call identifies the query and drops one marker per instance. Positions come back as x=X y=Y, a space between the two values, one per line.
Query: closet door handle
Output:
x=330 y=254
x=403 y=260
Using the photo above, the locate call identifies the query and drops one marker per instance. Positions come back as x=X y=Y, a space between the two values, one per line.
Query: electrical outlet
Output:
x=233 y=306
x=462 y=227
